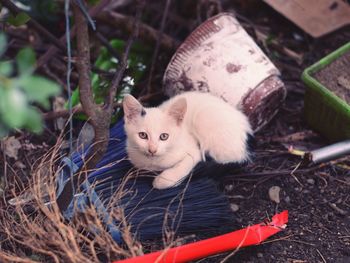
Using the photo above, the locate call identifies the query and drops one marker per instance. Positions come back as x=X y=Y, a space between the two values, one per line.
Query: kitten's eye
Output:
x=143 y=135
x=164 y=136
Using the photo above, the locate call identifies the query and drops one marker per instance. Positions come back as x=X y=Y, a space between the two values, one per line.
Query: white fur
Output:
x=197 y=124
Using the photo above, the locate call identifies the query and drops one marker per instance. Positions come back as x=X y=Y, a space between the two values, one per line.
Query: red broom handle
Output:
x=251 y=235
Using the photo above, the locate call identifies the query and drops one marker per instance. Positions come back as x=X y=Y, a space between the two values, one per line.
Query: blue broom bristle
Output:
x=185 y=209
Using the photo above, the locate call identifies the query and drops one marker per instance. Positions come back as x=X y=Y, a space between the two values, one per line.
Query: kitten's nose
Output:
x=152 y=150
x=152 y=147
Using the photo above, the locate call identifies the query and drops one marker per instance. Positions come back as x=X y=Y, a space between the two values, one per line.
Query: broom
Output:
x=187 y=208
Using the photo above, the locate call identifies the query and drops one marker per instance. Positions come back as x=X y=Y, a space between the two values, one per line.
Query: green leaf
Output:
x=139 y=58
x=4 y=130
x=6 y=68
x=75 y=98
x=93 y=2
x=25 y=60
x=33 y=120
x=18 y=20
x=2 y=44
x=39 y=89
x=13 y=107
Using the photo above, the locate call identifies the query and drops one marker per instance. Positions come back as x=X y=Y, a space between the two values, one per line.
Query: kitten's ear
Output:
x=132 y=107
x=178 y=109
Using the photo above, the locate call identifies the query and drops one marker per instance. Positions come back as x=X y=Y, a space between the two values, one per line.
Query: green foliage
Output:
x=19 y=92
x=93 y=2
x=18 y=20
x=25 y=60
x=139 y=58
x=43 y=11
x=2 y=44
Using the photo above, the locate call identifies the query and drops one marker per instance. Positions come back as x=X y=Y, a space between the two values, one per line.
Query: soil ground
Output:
x=336 y=76
x=317 y=230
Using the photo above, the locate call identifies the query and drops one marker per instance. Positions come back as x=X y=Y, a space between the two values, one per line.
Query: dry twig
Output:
x=52 y=50
x=156 y=50
x=146 y=32
x=32 y=22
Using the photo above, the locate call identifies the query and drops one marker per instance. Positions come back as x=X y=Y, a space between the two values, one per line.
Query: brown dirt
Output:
x=336 y=77
x=316 y=232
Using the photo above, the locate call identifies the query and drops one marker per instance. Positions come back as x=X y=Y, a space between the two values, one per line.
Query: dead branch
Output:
x=65 y=113
x=146 y=32
x=159 y=40
x=62 y=113
x=52 y=50
x=61 y=68
x=123 y=63
x=53 y=76
x=188 y=24
x=32 y=22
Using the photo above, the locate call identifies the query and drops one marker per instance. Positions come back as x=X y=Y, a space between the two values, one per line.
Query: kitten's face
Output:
x=151 y=131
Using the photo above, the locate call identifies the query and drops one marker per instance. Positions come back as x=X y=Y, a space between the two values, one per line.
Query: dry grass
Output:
x=35 y=231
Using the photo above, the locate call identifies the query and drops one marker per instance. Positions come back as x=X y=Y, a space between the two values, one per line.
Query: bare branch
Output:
x=123 y=63
x=32 y=22
x=65 y=113
x=156 y=50
x=52 y=50
x=146 y=32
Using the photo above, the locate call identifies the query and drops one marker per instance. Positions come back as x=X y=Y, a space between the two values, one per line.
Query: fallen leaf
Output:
x=11 y=147
x=58 y=104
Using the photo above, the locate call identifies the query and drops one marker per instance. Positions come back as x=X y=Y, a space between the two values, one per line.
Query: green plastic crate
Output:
x=324 y=111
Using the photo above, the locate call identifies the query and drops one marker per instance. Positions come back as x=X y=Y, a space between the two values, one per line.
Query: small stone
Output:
x=234 y=207
x=237 y=197
x=229 y=187
x=287 y=199
x=260 y=255
x=20 y=165
x=310 y=181
x=344 y=82
x=274 y=194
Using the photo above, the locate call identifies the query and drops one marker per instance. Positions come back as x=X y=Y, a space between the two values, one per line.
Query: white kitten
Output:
x=175 y=136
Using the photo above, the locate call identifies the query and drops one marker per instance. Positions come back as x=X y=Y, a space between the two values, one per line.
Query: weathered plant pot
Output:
x=221 y=58
x=325 y=111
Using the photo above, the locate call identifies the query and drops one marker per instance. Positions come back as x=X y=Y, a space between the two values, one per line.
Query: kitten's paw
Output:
x=163 y=182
